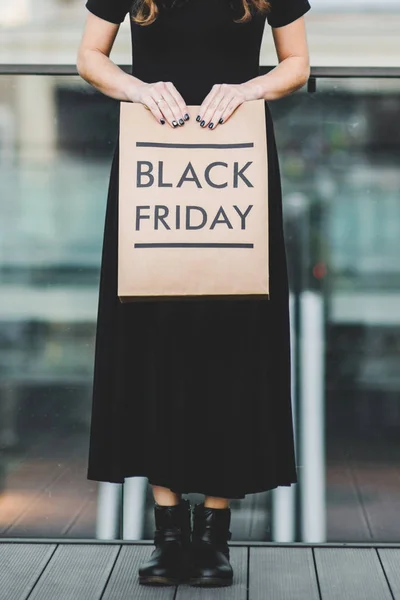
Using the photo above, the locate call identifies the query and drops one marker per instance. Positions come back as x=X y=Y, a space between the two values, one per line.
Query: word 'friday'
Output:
x=145 y=175
x=195 y=217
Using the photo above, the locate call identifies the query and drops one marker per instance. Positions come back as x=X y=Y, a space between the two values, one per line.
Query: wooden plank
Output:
x=76 y=571
x=56 y=507
x=84 y=525
x=41 y=467
x=237 y=591
x=346 y=519
x=278 y=573
x=351 y=573
x=23 y=487
x=21 y=566
x=251 y=517
x=379 y=490
x=123 y=583
x=390 y=558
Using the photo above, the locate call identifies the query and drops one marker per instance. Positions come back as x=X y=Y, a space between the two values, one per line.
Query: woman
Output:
x=195 y=395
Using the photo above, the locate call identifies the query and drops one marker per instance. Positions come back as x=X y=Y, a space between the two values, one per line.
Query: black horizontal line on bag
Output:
x=165 y=145
x=193 y=245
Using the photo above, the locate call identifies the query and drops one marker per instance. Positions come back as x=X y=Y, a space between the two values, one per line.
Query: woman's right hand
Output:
x=163 y=100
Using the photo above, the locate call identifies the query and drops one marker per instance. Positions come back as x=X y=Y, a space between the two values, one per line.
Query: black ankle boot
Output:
x=168 y=563
x=210 y=550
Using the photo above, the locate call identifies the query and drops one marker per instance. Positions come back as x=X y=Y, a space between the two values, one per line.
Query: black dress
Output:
x=195 y=396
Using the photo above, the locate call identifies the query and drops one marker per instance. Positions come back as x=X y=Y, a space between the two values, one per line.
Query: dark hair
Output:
x=147 y=10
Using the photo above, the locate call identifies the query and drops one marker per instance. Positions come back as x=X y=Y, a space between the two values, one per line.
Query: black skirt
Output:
x=195 y=395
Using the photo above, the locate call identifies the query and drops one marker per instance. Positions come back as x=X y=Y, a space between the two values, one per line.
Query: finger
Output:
x=158 y=91
x=169 y=116
x=222 y=111
x=173 y=108
x=215 y=108
x=233 y=103
x=216 y=89
x=214 y=115
x=154 y=108
x=183 y=109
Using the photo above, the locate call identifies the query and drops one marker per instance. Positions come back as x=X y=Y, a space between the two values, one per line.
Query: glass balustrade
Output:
x=339 y=156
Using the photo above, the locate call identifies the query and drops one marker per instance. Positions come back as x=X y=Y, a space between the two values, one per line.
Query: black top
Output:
x=282 y=12
x=198 y=43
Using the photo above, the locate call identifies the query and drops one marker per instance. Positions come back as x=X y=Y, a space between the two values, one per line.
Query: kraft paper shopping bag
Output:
x=193 y=206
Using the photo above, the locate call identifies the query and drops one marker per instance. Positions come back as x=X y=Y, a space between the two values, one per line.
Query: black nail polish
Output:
x=202 y=123
x=174 y=124
x=198 y=118
x=211 y=125
x=181 y=122
x=162 y=121
x=186 y=117
x=221 y=120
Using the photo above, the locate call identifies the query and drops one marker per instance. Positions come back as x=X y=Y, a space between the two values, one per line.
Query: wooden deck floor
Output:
x=76 y=570
x=45 y=494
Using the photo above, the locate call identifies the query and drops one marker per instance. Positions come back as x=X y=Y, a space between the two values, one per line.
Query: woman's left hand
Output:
x=222 y=101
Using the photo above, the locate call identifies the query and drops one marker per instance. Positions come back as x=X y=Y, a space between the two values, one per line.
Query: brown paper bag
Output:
x=193 y=206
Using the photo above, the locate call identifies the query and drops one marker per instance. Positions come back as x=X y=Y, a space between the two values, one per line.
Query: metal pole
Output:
x=284 y=498
x=312 y=418
x=134 y=506
x=108 y=510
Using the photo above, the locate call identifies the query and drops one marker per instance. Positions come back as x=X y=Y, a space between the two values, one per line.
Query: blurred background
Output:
x=339 y=154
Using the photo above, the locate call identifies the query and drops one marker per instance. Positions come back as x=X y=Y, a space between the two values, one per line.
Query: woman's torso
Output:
x=197 y=45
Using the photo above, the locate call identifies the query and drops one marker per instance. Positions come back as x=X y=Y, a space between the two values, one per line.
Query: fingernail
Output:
x=211 y=125
x=186 y=117
x=198 y=118
x=181 y=122
x=202 y=123
x=174 y=124
x=221 y=120
x=162 y=121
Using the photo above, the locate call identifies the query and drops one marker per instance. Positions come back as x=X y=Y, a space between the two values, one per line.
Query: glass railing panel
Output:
x=339 y=151
x=57 y=141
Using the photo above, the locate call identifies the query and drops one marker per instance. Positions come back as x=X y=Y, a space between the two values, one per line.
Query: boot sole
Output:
x=210 y=582
x=154 y=580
